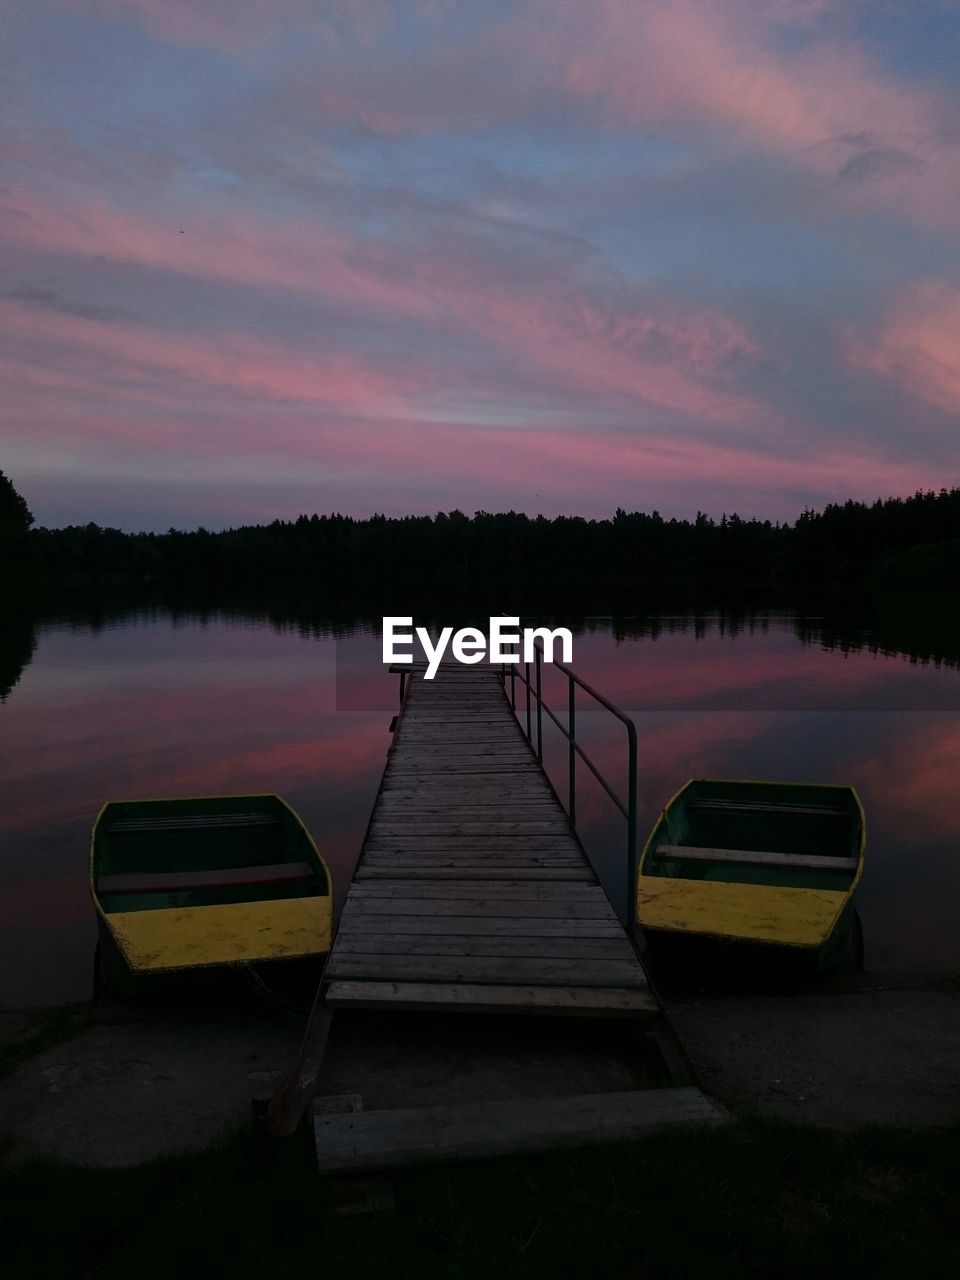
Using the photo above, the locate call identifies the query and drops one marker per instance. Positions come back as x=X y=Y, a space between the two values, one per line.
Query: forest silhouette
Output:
x=893 y=544
x=880 y=576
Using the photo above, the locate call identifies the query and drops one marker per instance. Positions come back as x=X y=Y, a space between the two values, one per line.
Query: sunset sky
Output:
x=259 y=257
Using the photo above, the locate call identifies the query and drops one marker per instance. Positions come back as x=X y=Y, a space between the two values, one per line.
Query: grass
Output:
x=41 y=1033
x=759 y=1198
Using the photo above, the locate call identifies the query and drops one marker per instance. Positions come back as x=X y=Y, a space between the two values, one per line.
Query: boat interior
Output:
x=157 y=854
x=759 y=833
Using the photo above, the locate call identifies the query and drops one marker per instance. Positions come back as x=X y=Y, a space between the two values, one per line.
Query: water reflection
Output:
x=18 y=641
x=167 y=704
x=154 y=707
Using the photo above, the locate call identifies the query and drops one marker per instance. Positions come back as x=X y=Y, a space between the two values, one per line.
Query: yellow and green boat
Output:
x=769 y=863
x=202 y=882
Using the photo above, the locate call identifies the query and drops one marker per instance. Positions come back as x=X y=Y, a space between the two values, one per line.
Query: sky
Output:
x=265 y=257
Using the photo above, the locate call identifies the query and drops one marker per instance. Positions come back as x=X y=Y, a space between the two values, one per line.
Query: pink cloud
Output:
x=650 y=356
x=235 y=247
x=235 y=28
x=916 y=345
x=136 y=363
x=722 y=68
x=691 y=68
x=364 y=466
x=464 y=326
x=821 y=105
x=564 y=460
x=239 y=27
x=557 y=327
x=716 y=64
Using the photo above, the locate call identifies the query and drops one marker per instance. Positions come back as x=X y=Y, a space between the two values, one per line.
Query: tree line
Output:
x=893 y=542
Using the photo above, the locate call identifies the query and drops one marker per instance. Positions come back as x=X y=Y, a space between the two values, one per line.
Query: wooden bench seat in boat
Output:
x=227 y=877
x=754 y=858
x=191 y=822
x=769 y=806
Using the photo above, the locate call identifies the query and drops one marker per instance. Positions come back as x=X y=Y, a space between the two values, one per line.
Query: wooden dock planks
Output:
x=473 y=896
x=471 y=874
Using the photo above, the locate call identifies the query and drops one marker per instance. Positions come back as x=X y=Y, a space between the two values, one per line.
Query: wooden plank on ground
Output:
x=382 y=1139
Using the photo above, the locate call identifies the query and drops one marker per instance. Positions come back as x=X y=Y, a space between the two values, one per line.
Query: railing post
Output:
x=513 y=685
x=403 y=685
x=632 y=828
x=572 y=748
x=526 y=666
x=538 y=665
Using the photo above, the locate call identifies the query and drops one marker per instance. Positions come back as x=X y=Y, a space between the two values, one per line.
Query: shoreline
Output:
x=860 y=1049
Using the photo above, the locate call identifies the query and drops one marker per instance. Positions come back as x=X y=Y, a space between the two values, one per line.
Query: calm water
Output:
x=155 y=706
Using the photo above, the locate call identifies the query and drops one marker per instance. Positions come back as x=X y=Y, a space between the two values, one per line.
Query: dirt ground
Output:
x=124 y=1085
x=868 y=1054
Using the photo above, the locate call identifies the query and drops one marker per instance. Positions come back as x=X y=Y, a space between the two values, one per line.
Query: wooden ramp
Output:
x=473 y=895
x=376 y=1140
x=472 y=890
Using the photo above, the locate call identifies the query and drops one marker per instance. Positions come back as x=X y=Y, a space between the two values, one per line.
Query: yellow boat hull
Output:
x=199 y=882
x=232 y=933
x=770 y=914
x=742 y=861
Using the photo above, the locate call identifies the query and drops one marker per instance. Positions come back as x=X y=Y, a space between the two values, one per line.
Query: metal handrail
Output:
x=534 y=691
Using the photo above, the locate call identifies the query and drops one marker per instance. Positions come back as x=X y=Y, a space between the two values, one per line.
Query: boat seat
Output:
x=224 y=878
x=191 y=822
x=769 y=806
x=755 y=858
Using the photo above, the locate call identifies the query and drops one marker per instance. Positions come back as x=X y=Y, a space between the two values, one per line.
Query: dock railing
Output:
x=532 y=724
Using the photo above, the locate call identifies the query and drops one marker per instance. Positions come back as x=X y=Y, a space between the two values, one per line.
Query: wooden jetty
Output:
x=473 y=894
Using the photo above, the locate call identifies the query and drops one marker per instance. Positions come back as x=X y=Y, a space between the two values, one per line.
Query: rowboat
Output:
x=202 y=882
x=771 y=863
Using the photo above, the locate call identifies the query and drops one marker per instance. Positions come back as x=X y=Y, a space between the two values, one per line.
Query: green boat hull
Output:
x=755 y=868
x=204 y=883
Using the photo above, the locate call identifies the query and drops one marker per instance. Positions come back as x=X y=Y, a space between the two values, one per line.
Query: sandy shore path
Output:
x=876 y=1052
x=118 y=1086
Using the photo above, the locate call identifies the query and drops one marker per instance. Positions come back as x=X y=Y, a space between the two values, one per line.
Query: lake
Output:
x=157 y=704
